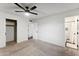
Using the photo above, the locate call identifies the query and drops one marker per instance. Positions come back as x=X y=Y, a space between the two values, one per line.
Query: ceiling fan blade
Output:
x=33 y=13
x=19 y=11
x=34 y=7
x=19 y=6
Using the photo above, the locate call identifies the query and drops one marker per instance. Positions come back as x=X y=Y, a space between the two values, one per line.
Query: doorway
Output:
x=11 y=31
x=32 y=30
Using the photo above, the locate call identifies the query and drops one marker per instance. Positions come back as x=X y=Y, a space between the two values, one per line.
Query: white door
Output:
x=30 y=29
x=71 y=32
x=9 y=33
x=33 y=30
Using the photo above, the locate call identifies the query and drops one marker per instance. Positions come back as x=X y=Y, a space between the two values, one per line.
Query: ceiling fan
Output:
x=27 y=9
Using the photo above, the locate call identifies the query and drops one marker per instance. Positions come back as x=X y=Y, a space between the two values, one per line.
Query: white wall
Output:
x=51 y=28
x=22 y=27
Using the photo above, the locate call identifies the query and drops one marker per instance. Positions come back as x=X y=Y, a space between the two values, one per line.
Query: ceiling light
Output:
x=27 y=14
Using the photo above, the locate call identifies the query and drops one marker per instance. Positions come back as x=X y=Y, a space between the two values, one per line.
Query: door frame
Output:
x=15 y=28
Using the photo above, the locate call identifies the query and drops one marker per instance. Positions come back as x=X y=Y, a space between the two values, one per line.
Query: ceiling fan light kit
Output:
x=27 y=14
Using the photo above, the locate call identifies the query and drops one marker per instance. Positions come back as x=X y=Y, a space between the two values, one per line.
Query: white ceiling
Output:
x=43 y=9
